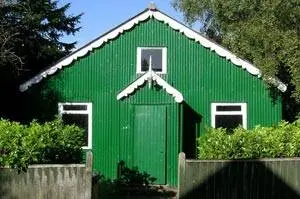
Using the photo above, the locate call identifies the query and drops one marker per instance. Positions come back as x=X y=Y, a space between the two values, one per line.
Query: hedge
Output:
x=278 y=141
x=51 y=142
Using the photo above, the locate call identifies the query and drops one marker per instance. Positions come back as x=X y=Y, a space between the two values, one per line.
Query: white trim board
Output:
x=88 y=111
x=156 y=14
x=150 y=76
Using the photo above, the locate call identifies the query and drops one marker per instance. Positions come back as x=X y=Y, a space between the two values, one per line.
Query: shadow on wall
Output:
x=5 y=192
x=130 y=183
x=244 y=179
x=191 y=121
x=40 y=102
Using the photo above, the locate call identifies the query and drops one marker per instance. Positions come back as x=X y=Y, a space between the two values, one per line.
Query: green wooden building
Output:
x=147 y=89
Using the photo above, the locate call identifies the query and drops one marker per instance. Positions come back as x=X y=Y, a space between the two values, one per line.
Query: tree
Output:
x=30 y=33
x=264 y=32
x=7 y=56
x=39 y=26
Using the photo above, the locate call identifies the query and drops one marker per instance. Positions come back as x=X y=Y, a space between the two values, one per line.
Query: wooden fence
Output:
x=48 y=182
x=240 y=179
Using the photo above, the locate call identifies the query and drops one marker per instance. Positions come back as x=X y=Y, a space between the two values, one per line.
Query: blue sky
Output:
x=102 y=15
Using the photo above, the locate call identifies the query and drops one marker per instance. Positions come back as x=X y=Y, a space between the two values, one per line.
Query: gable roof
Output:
x=151 y=76
x=160 y=16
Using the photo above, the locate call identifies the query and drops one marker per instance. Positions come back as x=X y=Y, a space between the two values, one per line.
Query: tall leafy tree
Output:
x=267 y=33
x=30 y=40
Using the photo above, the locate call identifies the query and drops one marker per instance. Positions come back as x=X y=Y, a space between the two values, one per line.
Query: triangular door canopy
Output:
x=150 y=76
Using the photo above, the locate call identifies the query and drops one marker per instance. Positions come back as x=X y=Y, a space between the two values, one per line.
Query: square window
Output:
x=79 y=114
x=228 y=115
x=157 y=56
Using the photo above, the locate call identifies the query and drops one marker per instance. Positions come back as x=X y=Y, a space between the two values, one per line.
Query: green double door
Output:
x=150 y=127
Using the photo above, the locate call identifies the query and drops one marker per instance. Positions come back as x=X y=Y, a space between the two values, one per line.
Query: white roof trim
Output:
x=151 y=76
x=131 y=23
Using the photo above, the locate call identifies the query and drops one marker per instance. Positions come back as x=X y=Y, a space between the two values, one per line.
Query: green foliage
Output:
x=133 y=177
x=266 y=33
x=130 y=182
x=278 y=141
x=51 y=142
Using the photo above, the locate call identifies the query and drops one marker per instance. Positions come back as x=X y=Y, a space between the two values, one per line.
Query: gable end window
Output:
x=158 y=59
x=79 y=114
x=228 y=115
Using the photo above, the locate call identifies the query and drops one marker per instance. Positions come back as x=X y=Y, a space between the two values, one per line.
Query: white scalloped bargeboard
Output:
x=150 y=75
x=129 y=25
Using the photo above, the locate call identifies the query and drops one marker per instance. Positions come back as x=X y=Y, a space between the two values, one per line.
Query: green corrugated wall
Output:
x=200 y=75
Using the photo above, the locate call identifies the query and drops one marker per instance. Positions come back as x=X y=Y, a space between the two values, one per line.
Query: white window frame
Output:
x=138 y=59
x=242 y=112
x=88 y=111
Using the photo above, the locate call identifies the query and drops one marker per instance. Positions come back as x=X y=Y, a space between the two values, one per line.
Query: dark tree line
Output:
x=30 y=40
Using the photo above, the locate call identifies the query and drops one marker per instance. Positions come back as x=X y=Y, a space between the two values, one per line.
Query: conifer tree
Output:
x=30 y=40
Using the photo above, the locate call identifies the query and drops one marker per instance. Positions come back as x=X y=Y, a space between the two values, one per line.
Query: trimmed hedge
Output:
x=278 y=141
x=51 y=142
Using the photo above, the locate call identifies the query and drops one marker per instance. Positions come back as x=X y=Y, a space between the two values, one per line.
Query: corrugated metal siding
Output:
x=201 y=75
x=126 y=137
x=149 y=135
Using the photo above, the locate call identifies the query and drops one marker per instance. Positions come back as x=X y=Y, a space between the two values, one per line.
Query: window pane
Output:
x=145 y=64
x=80 y=120
x=229 y=108
x=74 y=107
x=156 y=55
x=228 y=121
